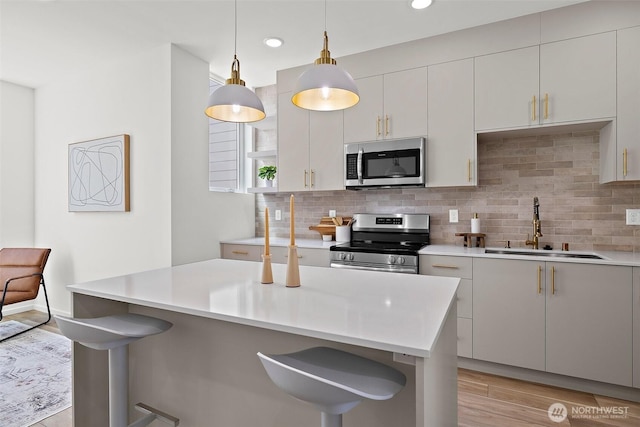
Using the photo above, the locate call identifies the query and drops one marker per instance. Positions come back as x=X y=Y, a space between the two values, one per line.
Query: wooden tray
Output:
x=327 y=226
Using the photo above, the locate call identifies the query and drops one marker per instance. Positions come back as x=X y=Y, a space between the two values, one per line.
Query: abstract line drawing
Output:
x=99 y=175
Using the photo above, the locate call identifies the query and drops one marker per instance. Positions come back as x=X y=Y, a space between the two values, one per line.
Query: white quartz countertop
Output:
x=394 y=312
x=283 y=242
x=609 y=257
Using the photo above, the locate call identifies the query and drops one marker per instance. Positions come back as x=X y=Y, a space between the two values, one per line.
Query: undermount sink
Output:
x=545 y=253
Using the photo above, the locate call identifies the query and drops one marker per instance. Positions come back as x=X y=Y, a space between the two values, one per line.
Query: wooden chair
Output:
x=21 y=274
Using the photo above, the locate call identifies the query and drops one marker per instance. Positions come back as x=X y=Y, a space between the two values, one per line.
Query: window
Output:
x=226 y=152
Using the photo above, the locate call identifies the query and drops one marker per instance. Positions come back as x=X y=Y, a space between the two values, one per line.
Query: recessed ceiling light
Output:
x=273 y=41
x=421 y=4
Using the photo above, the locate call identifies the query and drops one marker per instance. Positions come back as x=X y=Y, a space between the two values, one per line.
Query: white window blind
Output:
x=224 y=152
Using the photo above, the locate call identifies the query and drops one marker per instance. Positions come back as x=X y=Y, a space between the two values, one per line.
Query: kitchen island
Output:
x=205 y=370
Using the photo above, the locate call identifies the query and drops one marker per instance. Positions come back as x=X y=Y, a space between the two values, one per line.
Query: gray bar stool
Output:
x=333 y=380
x=114 y=333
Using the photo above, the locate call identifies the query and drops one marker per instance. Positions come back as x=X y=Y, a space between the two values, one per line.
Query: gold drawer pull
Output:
x=546 y=106
x=455 y=267
x=287 y=256
x=240 y=252
x=539 y=281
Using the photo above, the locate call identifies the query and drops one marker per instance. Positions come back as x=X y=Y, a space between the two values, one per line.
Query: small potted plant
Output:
x=267 y=173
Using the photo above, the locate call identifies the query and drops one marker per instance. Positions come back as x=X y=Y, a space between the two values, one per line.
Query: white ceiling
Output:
x=41 y=40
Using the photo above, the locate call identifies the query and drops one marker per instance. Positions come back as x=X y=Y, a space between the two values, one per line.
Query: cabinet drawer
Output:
x=306 y=256
x=465 y=299
x=465 y=337
x=242 y=252
x=448 y=266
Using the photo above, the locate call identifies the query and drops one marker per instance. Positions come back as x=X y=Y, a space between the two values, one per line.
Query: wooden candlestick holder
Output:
x=293 y=270
x=267 y=274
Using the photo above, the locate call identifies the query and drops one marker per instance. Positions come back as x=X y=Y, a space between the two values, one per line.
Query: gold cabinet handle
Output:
x=313 y=178
x=624 y=162
x=469 y=170
x=378 y=126
x=444 y=266
x=240 y=252
x=533 y=109
x=305 y=178
x=539 y=279
x=553 y=280
x=386 y=124
x=546 y=106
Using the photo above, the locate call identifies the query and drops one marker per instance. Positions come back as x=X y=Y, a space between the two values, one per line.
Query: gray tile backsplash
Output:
x=561 y=170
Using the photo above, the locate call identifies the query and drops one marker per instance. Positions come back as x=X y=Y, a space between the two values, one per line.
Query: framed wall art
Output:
x=99 y=175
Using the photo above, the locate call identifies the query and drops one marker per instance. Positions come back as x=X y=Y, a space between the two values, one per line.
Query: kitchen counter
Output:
x=610 y=257
x=223 y=315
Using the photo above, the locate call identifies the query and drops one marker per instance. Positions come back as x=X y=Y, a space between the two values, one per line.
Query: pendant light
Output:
x=325 y=86
x=234 y=102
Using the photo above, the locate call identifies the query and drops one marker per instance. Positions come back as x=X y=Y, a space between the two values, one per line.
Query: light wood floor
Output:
x=484 y=400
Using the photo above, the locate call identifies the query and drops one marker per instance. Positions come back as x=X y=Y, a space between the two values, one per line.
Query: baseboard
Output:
x=588 y=386
x=21 y=307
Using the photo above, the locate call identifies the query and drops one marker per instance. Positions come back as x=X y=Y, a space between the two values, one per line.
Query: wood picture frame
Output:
x=99 y=175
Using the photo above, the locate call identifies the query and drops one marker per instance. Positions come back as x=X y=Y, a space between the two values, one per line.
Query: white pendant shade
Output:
x=235 y=103
x=325 y=87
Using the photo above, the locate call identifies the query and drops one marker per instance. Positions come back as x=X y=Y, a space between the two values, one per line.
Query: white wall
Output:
x=199 y=218
x=158 y=98
x=16 y=165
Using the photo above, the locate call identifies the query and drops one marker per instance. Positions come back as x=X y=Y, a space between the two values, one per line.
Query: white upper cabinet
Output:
x=562 y=82
x=506 y=89
x=293 y=145
x=451 y=144
x=326 y=150
x=391 y=106
x=578 y=79
x=620 y=151
x=310 y=149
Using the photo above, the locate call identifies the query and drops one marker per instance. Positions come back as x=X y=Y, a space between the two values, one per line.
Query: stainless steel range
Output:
x=383 y=242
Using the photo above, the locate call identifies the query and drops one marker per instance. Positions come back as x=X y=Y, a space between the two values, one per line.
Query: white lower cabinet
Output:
x=509 y=312
x=589 y=321
x=306 y=256
x=279 y=254
x=564 y=318
x=636 y=327
x=462 y=267
x=240 y=252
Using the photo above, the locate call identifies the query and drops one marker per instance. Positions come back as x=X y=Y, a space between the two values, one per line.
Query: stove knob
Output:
x=401 y=260
x=351 y=257
x=342 y=256
x=392 y=259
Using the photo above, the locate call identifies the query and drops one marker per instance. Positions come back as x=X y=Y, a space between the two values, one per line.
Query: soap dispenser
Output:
x=475 y=224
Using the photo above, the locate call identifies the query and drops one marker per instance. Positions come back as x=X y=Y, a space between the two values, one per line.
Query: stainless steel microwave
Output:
x=385 y=164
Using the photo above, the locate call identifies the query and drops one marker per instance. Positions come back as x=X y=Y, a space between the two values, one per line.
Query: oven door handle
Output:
x=359 y=165
x=371 y=268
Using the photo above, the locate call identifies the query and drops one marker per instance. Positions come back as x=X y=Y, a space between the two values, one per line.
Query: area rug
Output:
x=35 y=375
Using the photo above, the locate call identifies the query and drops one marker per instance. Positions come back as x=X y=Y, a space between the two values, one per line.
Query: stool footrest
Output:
x=162 y=416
